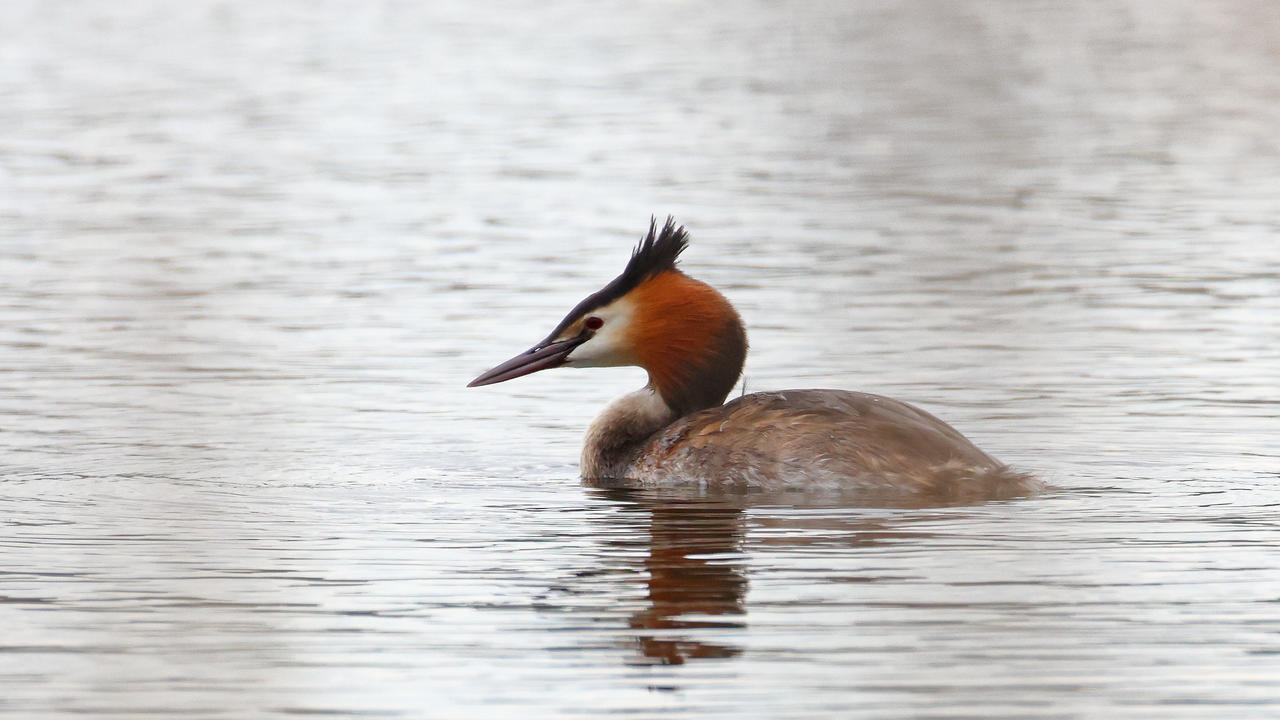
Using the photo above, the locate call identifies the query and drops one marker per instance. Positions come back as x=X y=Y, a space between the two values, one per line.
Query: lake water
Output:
x=252 y=252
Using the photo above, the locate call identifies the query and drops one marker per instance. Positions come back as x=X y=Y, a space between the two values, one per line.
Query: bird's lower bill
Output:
x=532 y=360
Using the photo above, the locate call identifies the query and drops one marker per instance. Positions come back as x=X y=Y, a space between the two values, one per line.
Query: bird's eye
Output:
x=593 y=323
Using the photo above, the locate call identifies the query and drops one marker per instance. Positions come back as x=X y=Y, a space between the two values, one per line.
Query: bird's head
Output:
x=684 y=333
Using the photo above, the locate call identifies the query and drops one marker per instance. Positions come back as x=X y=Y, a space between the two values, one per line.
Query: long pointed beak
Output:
x=538 y=357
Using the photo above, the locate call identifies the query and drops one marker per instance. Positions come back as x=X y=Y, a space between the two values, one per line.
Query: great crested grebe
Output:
x=674 y=432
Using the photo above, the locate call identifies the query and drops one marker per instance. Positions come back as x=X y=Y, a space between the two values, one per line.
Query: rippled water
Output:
x=252 y=253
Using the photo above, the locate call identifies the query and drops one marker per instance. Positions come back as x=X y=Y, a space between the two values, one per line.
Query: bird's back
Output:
x=831 y=439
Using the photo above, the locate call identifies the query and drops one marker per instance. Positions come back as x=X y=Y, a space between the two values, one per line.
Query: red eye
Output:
x=593 y=323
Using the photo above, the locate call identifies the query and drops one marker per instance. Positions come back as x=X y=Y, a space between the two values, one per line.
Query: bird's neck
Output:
x=617 y=435
x=690 y=340
x=693 y=345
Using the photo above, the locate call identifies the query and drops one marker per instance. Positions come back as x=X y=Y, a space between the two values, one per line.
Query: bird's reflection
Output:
x=696 y=567
x=696 y=577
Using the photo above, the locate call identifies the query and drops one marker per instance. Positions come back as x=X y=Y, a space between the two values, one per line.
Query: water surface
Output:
x=253 y=252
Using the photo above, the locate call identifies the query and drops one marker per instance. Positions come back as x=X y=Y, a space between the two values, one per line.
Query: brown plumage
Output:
x=822 y=439
x=674 y=432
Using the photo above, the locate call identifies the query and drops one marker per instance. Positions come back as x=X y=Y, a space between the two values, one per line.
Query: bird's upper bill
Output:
x=539 y=357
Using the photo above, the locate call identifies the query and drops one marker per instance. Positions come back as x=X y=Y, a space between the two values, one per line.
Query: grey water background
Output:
x=252 y=252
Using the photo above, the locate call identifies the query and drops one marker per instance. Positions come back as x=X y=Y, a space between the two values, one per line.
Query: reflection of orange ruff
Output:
x=676 y=432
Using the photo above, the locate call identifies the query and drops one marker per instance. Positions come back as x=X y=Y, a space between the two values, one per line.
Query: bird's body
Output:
x=675 y=432
x=809 y=440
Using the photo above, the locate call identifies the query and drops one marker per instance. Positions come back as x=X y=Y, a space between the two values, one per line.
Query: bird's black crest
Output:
x=655 y=254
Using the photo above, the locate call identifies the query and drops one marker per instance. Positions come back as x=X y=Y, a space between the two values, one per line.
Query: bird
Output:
x=678 y=432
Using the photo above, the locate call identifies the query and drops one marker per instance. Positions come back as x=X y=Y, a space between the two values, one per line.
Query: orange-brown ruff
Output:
x=674 y=432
